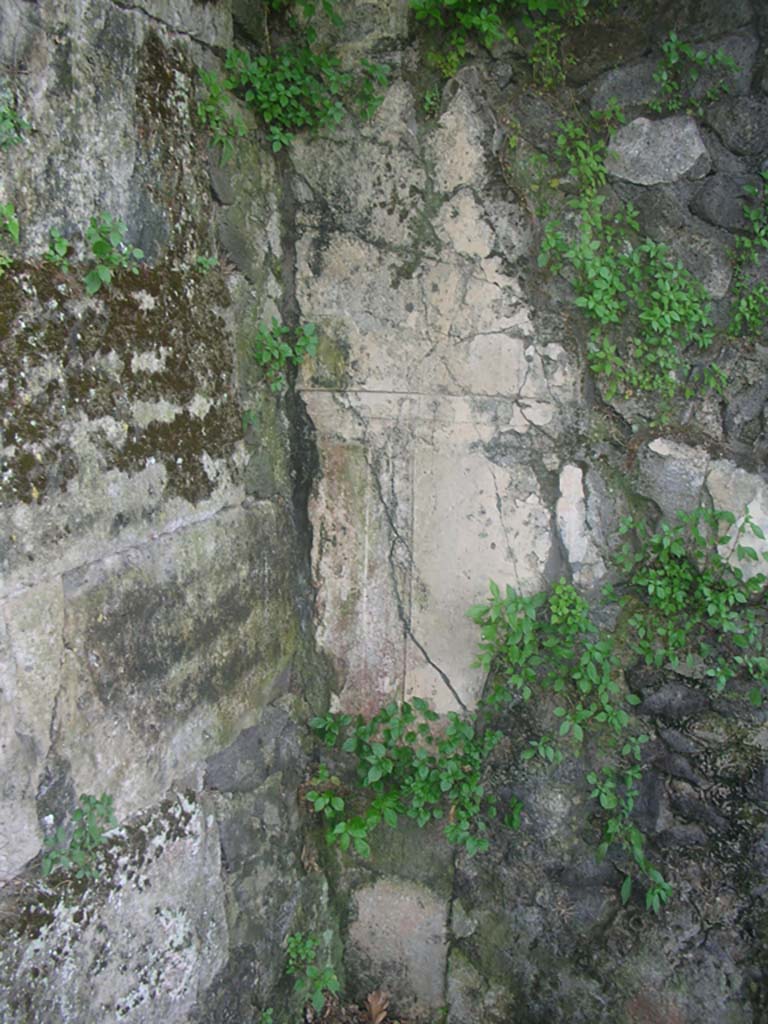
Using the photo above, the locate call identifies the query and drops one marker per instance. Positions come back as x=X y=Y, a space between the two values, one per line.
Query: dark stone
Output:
x=650 y=801
x=598 y=46
x=533 y=116
x=221 y=179
x=260 y=477
x=674 y=701
x=154 y=232
x=682 y=835
x=250 y=20
x=588 y=872
x=678 y=742
x=758 y=785
x=698 y=20
x=56 y=794
x=237 y=245
x=747 y=406
x=662 y=209
x=233 y=995
x=633 y=86
x=694 y=810
x=680 y=768
x=721 y=199
x=742 y=123
x=258 y=752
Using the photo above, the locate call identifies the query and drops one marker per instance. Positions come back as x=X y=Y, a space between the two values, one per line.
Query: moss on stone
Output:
x=153 y=338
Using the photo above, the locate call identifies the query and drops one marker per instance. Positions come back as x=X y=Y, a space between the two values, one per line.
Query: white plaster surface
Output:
x=431 y=398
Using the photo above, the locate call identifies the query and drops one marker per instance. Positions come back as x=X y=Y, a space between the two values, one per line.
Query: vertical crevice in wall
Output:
x=449 y=937
x=305 y=461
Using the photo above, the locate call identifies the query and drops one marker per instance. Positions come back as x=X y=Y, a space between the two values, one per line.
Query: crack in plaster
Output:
x=397 y=539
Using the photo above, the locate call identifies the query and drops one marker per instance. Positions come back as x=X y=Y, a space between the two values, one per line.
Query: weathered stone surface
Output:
x=651 y=152
x=469 y=993
x=742 y=123
x=154 y=582
x=142 y=942
x=160 y=653
x=633 y=86
x=721 y=200
x=413 y=514
x=397 y=941
x=205 y=23
x=734 y=490
x=709 y=19
x=31 y=632
x=104 y=93
x=146 y=616
x=596 y=47
x=571 y=511
x=672 y=474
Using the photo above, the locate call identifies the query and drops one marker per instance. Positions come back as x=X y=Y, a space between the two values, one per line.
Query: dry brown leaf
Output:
x=378 y=1004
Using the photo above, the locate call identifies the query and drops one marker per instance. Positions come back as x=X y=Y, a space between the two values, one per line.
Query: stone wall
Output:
x=462 y=439
x=181 y=585
x=155 y=637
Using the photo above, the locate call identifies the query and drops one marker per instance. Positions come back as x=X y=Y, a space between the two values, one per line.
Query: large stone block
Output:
x=651 y=152
x=140 y=944
x=398 y=942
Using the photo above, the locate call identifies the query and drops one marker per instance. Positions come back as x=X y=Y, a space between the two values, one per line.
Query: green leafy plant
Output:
x=80 y=851
x=684 y=597
x=749 y=311
x=9 y=221
x=250 y=419
x=431 y=101
x=206 y=263
x=293 y=87
x=12 y=124
x=297 y=88
x=277 y=346
x=214 y=113
x=679 y=70
x=373 y=79
x=541 y=643
x=691 y=598
x=312 y=982
x=649 y=313
x=491 y=21
x=57 y=251
x=267 y=1016
x=407 y=764
x=106 y=238
x=545 y=55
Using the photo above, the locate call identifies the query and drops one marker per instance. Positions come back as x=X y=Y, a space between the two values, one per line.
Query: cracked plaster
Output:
x=411 y=517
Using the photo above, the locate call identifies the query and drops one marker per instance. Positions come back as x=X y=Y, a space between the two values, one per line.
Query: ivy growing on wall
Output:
x=688 y=594
x=650 y=317
x=456 y=23
x=292 y=85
